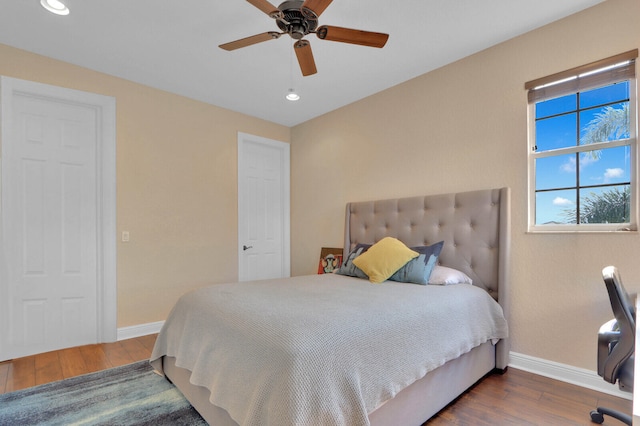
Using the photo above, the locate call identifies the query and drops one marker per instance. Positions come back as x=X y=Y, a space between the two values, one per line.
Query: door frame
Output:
x=105 y=107
x=284 y=148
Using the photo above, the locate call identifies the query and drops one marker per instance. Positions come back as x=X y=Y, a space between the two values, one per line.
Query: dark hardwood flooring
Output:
x=513 y=398
x=521 y=398
x=57 y=365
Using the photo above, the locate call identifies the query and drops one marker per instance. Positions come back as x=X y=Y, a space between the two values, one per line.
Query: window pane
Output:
x=605 y=95
x=556 y=172
x=605 y=166
x=574 y=188
x=555 y=207
x=556 y=106
x=604 y=124
x=556 y=132
x=610 y=204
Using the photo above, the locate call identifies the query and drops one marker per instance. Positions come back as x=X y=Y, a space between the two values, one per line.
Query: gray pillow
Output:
x=348 y=268
x=418 y=270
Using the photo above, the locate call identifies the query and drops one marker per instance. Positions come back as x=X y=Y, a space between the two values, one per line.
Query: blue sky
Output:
x=558 y=128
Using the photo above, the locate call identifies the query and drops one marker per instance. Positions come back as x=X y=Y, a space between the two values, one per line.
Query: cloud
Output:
x=586 y=159
x=613 y=174
x=559 y=201
x=569 y=166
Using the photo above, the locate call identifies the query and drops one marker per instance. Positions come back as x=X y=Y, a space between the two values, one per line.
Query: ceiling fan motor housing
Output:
x=295 y=21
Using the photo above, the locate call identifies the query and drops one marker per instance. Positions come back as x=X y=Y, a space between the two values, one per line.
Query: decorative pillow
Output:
x=384 y=258
x=443 y=275
x=418 y=270
x=348 y=268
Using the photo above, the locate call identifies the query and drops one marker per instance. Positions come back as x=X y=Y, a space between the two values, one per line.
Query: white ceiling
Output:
x=172 y=45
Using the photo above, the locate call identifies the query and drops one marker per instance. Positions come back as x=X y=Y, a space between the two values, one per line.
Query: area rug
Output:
x=129 y=395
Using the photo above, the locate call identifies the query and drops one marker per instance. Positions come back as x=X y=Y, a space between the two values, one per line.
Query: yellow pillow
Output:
x=384 y=258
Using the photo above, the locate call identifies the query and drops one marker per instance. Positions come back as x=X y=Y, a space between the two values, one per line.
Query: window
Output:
x=582 y=148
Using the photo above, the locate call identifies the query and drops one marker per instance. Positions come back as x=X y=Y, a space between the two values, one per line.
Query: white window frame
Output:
x=533 y=156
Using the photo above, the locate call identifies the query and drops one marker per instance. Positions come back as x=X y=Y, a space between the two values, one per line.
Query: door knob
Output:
x=246 y=247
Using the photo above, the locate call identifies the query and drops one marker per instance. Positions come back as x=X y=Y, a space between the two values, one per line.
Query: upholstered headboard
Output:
x=474 y=225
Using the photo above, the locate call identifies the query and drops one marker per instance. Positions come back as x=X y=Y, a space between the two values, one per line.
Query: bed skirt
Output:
x=412 y=406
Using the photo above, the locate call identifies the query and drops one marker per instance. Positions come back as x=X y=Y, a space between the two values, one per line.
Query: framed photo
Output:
x=330 y=260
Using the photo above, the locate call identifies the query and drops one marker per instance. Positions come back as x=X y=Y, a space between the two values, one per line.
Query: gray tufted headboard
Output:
x=474 y=225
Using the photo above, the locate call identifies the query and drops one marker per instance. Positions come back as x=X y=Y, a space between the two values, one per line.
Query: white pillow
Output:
x=442 y=275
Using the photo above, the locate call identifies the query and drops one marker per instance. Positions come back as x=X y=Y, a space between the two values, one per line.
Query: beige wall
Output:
x=176 y=183
x=458 y=128
x=464 y=127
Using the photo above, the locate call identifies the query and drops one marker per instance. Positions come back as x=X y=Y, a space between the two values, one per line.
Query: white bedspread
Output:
x=321 y=349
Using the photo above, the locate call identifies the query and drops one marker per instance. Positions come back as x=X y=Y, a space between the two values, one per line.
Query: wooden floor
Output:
x=514 y=398
x=57 y=365
x=521 y=398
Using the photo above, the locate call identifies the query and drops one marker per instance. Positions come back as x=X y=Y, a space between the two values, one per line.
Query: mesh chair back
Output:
x=624 y=313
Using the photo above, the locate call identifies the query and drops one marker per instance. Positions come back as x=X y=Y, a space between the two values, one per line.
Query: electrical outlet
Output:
x=125 y=236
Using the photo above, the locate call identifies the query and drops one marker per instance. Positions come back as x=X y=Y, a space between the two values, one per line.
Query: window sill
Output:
x=630 y=231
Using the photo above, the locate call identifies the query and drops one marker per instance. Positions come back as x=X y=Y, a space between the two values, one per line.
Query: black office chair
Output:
x=616 y=343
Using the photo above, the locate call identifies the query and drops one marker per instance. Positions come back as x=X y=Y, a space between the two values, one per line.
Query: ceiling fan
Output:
x=299 y=18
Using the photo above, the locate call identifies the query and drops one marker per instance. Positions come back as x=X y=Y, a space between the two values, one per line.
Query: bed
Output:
x=346 y=351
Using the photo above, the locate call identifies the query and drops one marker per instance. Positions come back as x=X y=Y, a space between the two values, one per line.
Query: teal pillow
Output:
x=418 y=270
x=348 y=268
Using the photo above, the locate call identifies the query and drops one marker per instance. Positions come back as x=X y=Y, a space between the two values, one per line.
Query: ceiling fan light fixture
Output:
x=292 y=96
x=299 y=18
x=55 y=6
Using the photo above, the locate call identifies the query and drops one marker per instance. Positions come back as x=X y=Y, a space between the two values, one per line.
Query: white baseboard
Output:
x=139 y=330
x=565 y=373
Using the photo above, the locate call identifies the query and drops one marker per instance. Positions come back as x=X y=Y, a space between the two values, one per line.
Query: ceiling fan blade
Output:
x=266 y=7
x=248 y=41
x=348 y=35
x=305 y=57
x=316 y=6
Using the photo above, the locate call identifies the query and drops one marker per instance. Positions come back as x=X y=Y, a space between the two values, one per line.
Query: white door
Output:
x=52 y=222
x=263 y=208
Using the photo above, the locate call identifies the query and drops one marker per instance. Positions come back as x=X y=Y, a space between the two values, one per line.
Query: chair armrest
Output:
x=608 y=336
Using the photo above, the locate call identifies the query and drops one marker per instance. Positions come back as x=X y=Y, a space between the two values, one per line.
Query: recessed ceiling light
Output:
x=292 y=95
x=55 y=6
